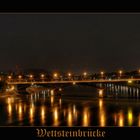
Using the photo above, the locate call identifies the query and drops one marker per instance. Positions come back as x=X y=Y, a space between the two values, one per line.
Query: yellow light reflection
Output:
x=24 y=107
x=42 y=115
x=74 y=83
x=31 y=115
x=74 y=109
x=64 y=113
x=86 y=119
x=10 y=100
x=101 y=93
x=9 y=108
x=102 y=117
x=52 y=100
x=121 y=119
x=69 y=118
x=100 y=103
x=130 y=117
x=12 y=88
x=60 y=102
x=55 y=116
x=20 y=111
x=115 y=118
x=74 y=112
x=52 y=92
x=139 y=120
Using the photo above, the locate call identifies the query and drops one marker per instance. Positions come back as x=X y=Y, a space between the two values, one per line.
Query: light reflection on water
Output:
x=55 y=116
x=121 y=119
x=130 y=117
x=70 y=117
x=51 y=110
x=31 y=113
x=102 y=113
x=86 y=116
x=43 y=115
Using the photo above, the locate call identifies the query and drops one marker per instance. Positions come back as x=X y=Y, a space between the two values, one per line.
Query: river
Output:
x=76 y=106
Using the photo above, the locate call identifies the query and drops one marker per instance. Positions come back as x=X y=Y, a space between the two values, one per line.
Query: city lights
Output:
x=129 y=81
x=31 y=76
x=102 y=73
x=9 y=77
x=55 y=75
x=19 y=76
x=42 y=75
x=69 y=74
x=85 y=73
x=120 y=72
x=101 y=93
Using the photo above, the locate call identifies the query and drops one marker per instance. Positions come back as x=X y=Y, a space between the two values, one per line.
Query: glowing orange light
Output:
x=85 y=73
x=19 y=76
x=69 y=74
x=42 y=75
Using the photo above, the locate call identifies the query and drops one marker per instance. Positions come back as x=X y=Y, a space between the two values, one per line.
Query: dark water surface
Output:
x=77 y=106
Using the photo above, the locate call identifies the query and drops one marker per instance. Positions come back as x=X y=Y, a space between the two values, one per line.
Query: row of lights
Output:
x=55 y=75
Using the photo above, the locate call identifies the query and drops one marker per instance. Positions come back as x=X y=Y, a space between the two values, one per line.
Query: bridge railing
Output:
x=59 y=80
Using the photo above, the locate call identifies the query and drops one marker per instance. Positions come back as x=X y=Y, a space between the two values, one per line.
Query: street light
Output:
x=19 y=77
x=102 y=73
x=9 y=77
x=69 y=74
x=31 y=76
x=85 y=73
x=42 y=75
x=55 y=75
x=120 y=72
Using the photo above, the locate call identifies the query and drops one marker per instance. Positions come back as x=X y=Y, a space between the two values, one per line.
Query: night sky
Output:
x=70 y=42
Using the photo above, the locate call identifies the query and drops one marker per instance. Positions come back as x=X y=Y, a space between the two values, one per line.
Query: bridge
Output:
x=125 y=86
x=15 y=82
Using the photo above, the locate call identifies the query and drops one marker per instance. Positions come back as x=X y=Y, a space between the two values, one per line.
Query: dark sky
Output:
x=70 y=42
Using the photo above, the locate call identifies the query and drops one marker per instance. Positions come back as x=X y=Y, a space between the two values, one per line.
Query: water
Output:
x=77 y=106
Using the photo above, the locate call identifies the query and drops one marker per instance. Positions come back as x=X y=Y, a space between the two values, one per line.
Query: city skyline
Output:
x=70 y=42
